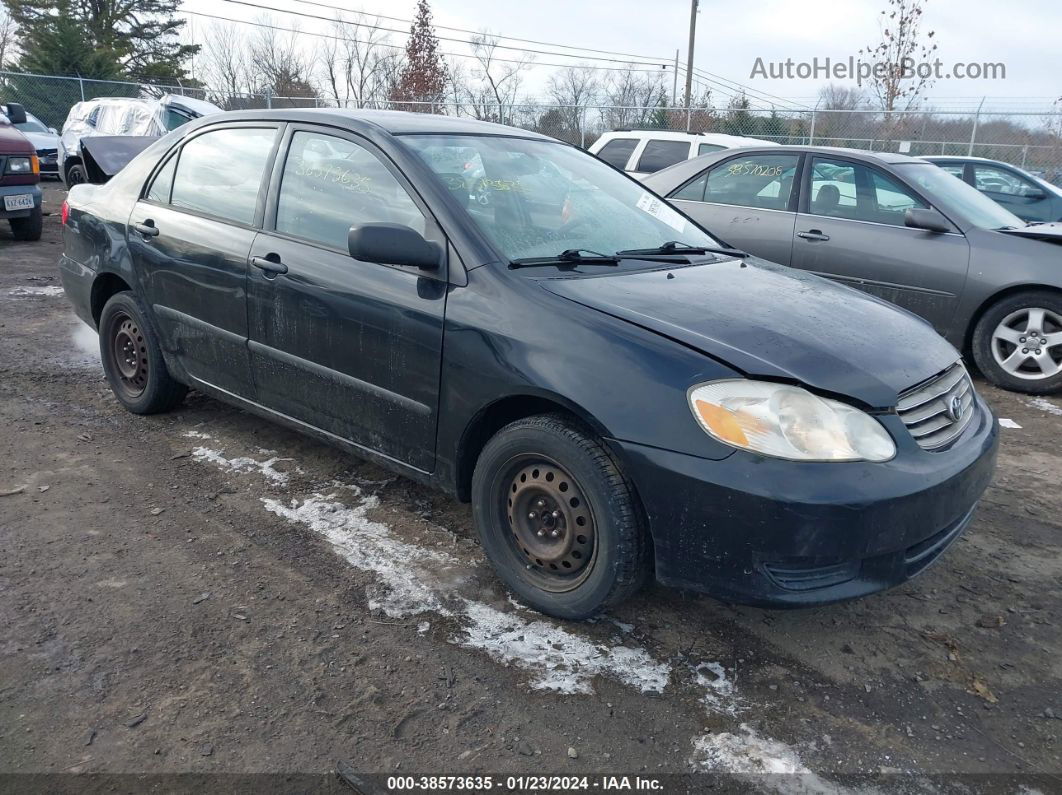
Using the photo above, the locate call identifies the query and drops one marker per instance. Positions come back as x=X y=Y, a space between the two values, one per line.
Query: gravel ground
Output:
x=202 y=592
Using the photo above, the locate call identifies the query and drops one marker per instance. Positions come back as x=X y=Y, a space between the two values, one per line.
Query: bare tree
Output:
x=901 y=48
x=356 y=61
x=223 y=64
x=574 y=90
x=632 y=96
x=499 y=79
x=7 y=37
x=281 y=67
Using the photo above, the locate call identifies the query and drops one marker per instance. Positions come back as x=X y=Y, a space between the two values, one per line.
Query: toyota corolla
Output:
x=619 y=394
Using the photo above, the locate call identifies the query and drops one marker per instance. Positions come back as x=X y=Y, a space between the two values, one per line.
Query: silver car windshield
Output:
x=538 y=198
x=977 y=208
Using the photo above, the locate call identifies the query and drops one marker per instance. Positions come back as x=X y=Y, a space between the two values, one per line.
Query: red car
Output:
x=20 y=176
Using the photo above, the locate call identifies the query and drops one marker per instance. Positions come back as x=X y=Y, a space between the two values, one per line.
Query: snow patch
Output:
x=265 y=468
x=1043 y=404
x=28 y=292
x=196 y=435
x=719 y=695
x=557 y=659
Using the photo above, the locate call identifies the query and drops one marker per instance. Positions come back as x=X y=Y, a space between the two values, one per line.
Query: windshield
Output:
x=977 y=208
x=32 y=125
x=539 y=198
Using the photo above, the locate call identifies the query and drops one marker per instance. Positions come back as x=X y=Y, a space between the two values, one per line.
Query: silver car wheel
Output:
x=1028 y=343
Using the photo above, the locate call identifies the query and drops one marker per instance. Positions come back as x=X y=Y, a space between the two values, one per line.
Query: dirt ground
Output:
x=202 y=592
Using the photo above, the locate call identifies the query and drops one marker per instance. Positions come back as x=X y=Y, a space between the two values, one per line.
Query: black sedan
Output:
x=617 y=393
x=901 y=229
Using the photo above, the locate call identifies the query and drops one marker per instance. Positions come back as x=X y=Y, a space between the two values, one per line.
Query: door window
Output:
x=703 y=149
x=692 y=191
x=955 y=169
x=661 y=154
x=163 y=182
x=998 y=180
x=618 y=151
x=219 y=173
x=761 y=181
x=330 y=184
x=840 y=189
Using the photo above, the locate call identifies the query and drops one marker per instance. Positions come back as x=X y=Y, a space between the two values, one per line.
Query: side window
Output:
x=618 y=151
x=219 y=172
x=330 y=184
x=703 y=149
x=840 y=189
x=955 y=169
x=762 y=181
x=661 y=154
x=996 y=180
x=692 y=191
x=163 y=183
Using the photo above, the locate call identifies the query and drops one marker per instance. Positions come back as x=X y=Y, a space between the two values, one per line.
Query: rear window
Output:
x=661 y=154
x=618 y=151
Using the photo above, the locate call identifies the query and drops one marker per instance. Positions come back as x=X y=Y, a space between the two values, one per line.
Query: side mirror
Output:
x=393 y=244
x=927 y=219
x=1034 y=193
x=16 y=114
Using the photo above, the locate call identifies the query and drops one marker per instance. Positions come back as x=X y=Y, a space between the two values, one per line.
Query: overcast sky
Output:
x=1022 y=34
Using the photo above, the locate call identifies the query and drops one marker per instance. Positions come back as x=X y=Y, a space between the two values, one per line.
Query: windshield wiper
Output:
x=678 y=247
x=570 y=256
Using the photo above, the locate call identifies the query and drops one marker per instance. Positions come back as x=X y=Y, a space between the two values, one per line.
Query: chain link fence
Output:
x=1032 y=141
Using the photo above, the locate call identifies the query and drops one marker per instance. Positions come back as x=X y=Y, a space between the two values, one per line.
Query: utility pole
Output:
x=689 y=52
x=674 y=83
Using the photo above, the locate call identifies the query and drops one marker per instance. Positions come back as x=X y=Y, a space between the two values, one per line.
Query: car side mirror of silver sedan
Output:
x=927 y=219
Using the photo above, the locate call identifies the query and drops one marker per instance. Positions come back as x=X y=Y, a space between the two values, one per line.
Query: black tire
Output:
x=75 y=175
x=29 y=227
x=611 y=562
x=988 y=350
x=132 y=359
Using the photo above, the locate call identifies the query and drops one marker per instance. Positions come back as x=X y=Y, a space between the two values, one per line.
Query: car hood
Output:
x=770 y=321
x=42 y=140
x=13 y=142
x=1049 y=233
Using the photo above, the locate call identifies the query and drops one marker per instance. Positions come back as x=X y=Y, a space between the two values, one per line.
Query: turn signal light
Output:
x=64 y=213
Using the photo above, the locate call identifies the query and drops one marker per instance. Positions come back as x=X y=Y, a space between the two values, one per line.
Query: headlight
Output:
x=788 y=422
x=20 y=165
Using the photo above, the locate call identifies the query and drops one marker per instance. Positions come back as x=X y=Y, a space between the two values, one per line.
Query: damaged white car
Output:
x=137 y=121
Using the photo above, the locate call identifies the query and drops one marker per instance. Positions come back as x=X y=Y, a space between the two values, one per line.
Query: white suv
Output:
x=640 y=152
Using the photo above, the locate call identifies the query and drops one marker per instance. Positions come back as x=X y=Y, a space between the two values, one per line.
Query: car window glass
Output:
x=160 y=186
x=618 y=151
x=661 y=154
x=955 y=169
x=763 y=181
x=692 y=191
x=703 y=149
x=851 y=190
x=996 y=180
x=330 y=184
x=219 y=172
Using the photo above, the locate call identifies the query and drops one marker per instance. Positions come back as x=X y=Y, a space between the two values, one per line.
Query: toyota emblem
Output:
x=955 y=408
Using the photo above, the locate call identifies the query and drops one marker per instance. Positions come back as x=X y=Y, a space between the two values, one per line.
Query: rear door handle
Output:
x=147 y=229
x=269 y=264
x=813 y=234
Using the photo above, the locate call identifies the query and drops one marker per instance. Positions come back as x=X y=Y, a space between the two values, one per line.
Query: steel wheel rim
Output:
x=74 y=177
x=129 y=354
x=550 y=529
x=1027 y=344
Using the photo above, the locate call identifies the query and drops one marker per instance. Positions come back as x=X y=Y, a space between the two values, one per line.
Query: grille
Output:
x=938 y=410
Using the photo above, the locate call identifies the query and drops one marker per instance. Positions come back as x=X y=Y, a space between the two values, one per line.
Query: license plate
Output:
x=20 y=201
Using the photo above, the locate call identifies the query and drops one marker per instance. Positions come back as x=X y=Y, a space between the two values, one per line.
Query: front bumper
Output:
x=14 y=190
x=773 y=533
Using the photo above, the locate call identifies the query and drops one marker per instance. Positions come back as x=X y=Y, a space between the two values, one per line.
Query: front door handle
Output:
x=147 y=229
x=813 y=234
x=271 y=264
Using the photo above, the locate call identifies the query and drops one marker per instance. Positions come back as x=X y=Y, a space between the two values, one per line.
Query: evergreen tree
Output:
x=423 y=77
x=659 y=119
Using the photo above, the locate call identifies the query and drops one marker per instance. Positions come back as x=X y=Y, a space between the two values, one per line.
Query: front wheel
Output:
x=557 y=518
x=132 y=359
x=1017 y=343
x=75 y=175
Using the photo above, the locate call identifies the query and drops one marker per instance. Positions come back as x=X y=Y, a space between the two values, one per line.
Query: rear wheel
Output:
x=75 y=175
x=1017 y=343
x=132 y=359
x=28 y=228
x=557 y=518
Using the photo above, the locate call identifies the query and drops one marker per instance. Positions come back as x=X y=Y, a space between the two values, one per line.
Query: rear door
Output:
x=352 y=348
x=617 y=152
x=851 y=228
x=748 y=201
x=660 y=153
x=190 y=235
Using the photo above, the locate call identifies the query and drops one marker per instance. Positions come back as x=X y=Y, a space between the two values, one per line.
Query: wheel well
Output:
x=491 y=420
x=995 y=298
x=73 y=160
x=105 y=286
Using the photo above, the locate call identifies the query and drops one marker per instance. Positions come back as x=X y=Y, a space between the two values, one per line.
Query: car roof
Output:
x=674 y=135
x=396 y=122
x=862 y=154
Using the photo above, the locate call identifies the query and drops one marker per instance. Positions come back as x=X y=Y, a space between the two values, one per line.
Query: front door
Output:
x=352 y=348
x=746 y=201
x=190 y=235
x=851 y=228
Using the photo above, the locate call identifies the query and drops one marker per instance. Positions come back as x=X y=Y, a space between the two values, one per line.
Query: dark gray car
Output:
x=1026 y=195
x=899 y=228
